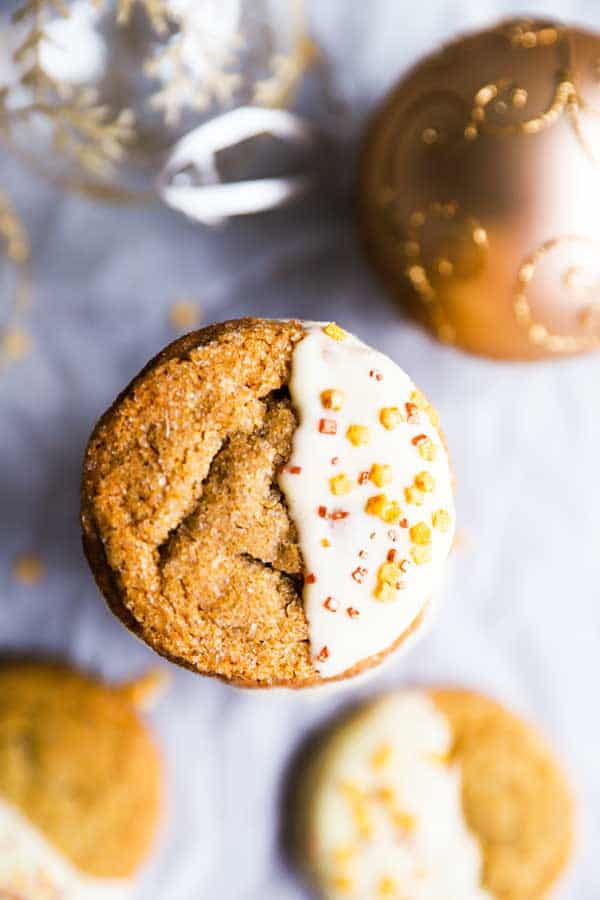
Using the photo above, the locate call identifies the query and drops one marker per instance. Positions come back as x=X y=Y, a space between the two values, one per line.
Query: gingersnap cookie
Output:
x=428 y=794
x=269 y=502
x=79 y=785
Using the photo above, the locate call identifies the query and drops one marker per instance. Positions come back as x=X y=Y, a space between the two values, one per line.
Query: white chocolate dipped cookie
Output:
x=270 y=502
x=433 y=795
x=80 y=785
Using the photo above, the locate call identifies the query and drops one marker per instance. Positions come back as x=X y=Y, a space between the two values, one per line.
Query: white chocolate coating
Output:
x=32 y=869
x=348 y=569
x=387 y=819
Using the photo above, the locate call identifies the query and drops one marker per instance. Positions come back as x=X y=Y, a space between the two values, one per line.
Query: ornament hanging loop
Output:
x=192 y=182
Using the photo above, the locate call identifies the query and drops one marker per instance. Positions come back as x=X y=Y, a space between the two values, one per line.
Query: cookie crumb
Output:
x=184 y=315
x=15 y=344
x=28 y=569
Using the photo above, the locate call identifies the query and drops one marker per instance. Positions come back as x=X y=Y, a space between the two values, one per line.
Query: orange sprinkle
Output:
x=359 y=574
x=327 y=426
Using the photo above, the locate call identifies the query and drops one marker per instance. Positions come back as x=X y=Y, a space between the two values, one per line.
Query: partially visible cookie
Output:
x=269 y=502
x=80 y=785
x=431 y=795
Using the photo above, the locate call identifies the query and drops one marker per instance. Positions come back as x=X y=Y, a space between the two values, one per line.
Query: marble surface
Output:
x=521 y=618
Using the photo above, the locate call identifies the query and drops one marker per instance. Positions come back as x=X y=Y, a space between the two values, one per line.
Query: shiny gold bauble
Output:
x=480 y=191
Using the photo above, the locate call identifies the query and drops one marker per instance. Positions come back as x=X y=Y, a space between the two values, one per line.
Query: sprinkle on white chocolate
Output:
x=388 y=821
x=366 y=440
x=31 y=867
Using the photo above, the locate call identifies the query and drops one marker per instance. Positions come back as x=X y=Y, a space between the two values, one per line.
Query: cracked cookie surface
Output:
x=184 y=525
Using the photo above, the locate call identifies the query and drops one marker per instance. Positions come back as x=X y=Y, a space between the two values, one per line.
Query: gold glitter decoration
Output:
x=28 y=569
x=579 y=287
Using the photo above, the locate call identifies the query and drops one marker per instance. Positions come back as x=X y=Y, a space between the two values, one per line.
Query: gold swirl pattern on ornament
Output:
x=427 y=275
x=578 y=285
x=565 y=94
x=567 y=99
x=526 y=35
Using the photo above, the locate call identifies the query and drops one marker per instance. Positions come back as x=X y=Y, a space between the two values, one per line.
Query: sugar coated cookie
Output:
x=431 y=795
x=270 y=502
x=79 y=786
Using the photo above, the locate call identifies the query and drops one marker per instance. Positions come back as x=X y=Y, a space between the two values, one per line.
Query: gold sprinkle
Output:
x=341 y=484
x=480 y=236
x=332 y=399
x=445 y=267
x=441 y=519
x=376 y=505
x=392 y=513
x=414 y=496
x=380 y=474
x=420 y=533
x=381 y=756
x=390 y=417
x=404 y=820
x=343 y=853
x=358 y=435
x=386 y=886
x=425 y=481
x=384 y=592
x=325 y=542
x=28 y=569
x=388 y=572
x=427 y=450
x=342 y=884
x=420 y=555
x=184 y=314
x=335 y=332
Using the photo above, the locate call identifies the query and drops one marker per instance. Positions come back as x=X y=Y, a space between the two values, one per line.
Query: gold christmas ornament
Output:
x=480 y=190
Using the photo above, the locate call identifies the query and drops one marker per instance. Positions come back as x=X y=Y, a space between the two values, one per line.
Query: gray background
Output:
x=521 y=619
